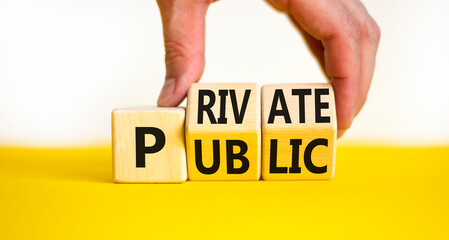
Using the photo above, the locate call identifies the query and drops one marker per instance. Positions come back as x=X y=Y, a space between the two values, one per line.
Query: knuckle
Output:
x=175 y=49
x=177 y=53
x=371 y=29
x=352 y=29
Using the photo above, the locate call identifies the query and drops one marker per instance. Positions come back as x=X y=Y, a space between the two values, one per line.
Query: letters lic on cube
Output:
x=298 y=131
x=223 y=131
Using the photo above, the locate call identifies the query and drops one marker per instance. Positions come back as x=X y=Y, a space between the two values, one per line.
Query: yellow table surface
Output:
x=378 y=192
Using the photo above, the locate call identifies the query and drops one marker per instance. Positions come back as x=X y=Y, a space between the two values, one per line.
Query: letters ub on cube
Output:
x=298 y=131
x=148 y=145
x=223 y=131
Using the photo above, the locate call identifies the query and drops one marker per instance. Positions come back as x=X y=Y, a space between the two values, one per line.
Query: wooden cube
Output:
x=148 y=145
x=299 y=130
x=223 y=131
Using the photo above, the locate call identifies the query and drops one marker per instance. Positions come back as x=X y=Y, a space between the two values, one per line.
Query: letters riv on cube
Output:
x=223 y=131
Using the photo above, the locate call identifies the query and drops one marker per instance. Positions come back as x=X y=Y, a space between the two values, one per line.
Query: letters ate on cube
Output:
x=223 y=132
x=148 y=145
x=298 y=131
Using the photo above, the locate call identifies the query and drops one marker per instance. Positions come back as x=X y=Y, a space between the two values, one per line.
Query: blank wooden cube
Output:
x=299 y=130
x=223 y=131
x=148 y=145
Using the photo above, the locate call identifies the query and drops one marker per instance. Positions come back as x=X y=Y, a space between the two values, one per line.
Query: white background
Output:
x=65 y=64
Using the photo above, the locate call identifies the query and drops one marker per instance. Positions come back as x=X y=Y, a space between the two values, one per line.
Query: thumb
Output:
x=184 y=26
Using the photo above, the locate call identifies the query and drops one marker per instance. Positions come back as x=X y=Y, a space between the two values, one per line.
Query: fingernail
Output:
x=167 y=92
x=340 y=132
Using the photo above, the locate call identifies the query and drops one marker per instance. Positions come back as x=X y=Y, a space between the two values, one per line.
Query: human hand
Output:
x=340 y=33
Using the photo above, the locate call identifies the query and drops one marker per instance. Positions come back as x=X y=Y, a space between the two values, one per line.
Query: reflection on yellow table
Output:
x=377 y=192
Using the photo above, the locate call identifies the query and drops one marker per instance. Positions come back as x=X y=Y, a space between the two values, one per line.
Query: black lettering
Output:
x=141 y=149
x=308 y=156
x=295 y=156
x=273 y=158
x=206 y=108
x=230 y=156
x=199 y=157
x=301 y=94
x=321 y=105
x=239 y=116
x=279 y=97
x=222 y=119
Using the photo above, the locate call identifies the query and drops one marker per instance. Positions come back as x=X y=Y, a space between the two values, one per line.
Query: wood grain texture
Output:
x=168 y=165
x=294 y=138
x=240 y=130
